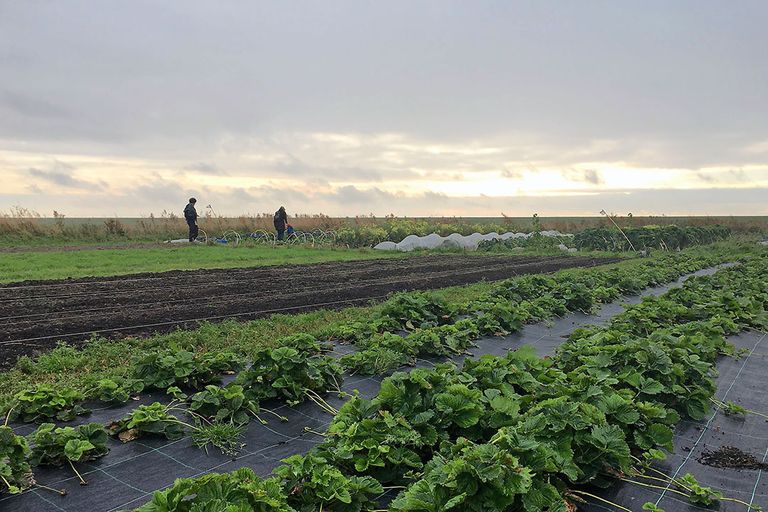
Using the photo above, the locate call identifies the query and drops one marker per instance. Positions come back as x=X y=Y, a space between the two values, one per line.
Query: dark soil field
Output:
x=35 y=315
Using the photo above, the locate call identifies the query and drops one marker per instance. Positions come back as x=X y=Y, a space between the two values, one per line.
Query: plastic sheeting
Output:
x=741 y=381
x=456 y=241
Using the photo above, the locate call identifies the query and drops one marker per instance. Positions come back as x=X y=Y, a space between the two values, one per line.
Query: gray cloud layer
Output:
x=61 y=174
x=349 y=201
x=195 y=83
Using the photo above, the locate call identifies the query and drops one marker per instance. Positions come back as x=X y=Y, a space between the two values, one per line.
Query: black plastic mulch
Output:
x=742 y=381
x=126 y=477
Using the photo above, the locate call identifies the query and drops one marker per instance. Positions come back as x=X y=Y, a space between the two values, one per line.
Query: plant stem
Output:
x=312 y=431
x=60 y=492
x=82 y=480
x=7 y=484
x=281 y=418
x=312 y=395
x=667 y=479
x=723 y=405
x=651 y=486
x=589 y=495
x=8 y=416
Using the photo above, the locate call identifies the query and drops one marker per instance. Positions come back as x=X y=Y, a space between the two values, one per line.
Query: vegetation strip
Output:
x=394 y=318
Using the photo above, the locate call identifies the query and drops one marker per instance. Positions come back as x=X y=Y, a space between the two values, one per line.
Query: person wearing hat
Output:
x=190 y=214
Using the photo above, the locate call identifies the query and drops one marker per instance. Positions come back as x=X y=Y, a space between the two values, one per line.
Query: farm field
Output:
x=516 y=431
x=66 y=264
x=383 y=256
x=36 y=315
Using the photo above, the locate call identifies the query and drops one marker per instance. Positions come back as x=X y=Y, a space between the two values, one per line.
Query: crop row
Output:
x=298 y=370
x=421 y=324
x=517 y=432
x=663 y=238
x=649 y=237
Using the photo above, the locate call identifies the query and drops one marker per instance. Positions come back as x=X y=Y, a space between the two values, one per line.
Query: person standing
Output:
x=281 y=221
x=190 y=214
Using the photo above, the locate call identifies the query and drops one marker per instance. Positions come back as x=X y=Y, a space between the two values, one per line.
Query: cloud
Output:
x=60 y=174
x=291 y=165
x=509 y=173
x=591 y=176
x=706 y=177
x=738 y=175
x=233 y=201
x=229 y=117
x=205 y=168
x=351 y=195
x=31 y=107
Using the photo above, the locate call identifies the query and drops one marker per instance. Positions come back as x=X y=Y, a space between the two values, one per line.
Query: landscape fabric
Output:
x=127 y=477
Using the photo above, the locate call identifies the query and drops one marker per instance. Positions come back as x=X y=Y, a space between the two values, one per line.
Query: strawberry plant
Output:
x=477 y=478
x=288 y=373
x=55 y=446
x=153 y=419
x=115 y=391
x=223 y=405
x=361 y=439
x=380 y=354
x=353 y=331
x=525 y=287
x=699 y=494
x=44 y=402
x=311 y=484
x=173 y=367
x=542 y=308
x=303 y=342
x=447 y=339
x=15 y=472
x=575 y=296
x=375 y=361
x=496 y=317
x=413 y=310
x=239 y=491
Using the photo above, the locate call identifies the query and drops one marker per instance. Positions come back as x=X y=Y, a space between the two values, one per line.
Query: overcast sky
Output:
x=411 y=108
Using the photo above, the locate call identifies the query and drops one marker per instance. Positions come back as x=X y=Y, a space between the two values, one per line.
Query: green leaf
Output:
x=650 y=386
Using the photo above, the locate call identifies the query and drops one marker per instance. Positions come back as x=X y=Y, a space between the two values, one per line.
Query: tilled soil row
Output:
x=141 y=288
x=33 y=325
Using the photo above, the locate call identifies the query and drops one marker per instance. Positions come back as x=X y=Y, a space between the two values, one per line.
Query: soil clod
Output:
x=732 y=458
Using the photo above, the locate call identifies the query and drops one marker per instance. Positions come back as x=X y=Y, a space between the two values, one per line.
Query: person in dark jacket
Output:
x=281 y=221
x=190 y=215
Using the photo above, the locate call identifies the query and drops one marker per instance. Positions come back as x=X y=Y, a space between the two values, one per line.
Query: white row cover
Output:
x=455 y=241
